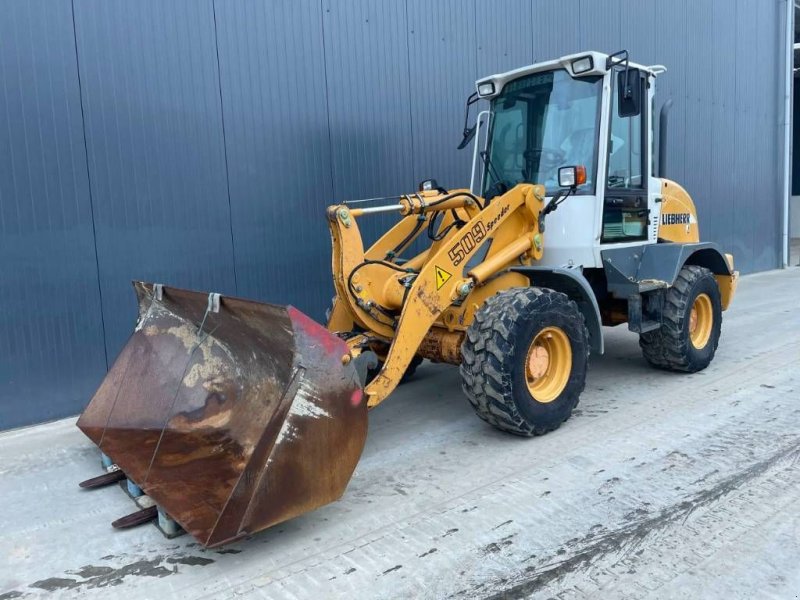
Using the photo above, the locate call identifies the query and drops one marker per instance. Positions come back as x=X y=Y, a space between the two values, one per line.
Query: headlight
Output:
x=570 y=177
x=486 y=89
x=582 y=65
x=429 y=185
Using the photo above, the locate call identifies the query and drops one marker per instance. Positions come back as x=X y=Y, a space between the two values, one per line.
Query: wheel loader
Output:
x=223 y=416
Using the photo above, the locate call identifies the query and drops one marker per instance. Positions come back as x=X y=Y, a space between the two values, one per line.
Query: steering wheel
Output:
x=549 y=158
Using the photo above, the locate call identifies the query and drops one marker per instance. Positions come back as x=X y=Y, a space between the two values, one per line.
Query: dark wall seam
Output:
x=327 y=102
x=415 y=175
x=89 y=180
x=224 y=145
x=477 y=39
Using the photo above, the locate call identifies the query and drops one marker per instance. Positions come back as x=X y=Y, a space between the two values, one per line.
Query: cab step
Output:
x=639 y=319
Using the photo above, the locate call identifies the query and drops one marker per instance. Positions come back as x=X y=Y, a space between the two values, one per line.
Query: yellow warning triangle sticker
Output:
x=442 y=277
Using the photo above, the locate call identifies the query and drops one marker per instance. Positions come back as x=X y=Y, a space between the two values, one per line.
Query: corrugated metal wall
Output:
x=52 y=351
x=197 y=142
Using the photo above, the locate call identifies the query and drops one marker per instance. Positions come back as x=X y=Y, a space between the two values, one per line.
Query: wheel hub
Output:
x=538 y=361
x=548 y=364
x=701 y=320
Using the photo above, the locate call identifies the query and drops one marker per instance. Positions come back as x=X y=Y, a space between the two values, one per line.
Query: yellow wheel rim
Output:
x=548 y=364
x=700 y=321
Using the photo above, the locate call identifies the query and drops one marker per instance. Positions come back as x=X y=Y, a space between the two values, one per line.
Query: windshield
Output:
x=540 y=123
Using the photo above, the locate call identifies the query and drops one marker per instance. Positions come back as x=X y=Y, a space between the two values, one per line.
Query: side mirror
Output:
x=629 y=92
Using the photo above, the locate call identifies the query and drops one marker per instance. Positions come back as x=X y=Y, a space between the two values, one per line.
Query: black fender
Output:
x=637 y=268
x=572 y=283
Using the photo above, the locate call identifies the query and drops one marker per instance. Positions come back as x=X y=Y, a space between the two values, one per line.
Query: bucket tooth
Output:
x=231 y=415
x=103 y=480
x=145 y=515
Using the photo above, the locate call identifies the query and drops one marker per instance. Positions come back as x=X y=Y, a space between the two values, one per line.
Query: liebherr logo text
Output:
x=676 y=219
x=472 y=238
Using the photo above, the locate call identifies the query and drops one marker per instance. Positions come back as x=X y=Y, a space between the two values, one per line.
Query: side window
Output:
x=625 y=156
x=508 y=143
x=625 y=212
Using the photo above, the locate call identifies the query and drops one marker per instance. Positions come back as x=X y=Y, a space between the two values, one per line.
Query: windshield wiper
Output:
x=488 y=164
x=499 y=187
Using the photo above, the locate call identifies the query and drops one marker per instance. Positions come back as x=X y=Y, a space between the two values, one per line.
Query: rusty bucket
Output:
x=231 y=415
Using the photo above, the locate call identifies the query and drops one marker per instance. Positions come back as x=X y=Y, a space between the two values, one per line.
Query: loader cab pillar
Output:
x=592 y=110
x=626 y=213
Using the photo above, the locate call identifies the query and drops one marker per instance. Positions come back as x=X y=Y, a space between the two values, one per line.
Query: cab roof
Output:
x=598 y=67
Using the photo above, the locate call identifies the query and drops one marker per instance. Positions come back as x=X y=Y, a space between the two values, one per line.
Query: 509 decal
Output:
x=467 y=243
x=472 y=238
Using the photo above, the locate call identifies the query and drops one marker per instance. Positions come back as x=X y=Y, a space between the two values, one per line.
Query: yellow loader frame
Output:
x=437 y=291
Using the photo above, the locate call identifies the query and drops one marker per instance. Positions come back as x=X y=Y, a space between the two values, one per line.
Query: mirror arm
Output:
x=472 y=99
x=468 y=131
x=623 y=54
x=554 y=204
x=628 y=91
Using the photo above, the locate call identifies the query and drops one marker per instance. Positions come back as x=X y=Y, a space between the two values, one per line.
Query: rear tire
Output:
x=683 y=342
x=499 y=359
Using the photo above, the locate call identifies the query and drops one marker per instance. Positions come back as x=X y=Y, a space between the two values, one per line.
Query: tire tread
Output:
x=668 y=347
x=487 y=351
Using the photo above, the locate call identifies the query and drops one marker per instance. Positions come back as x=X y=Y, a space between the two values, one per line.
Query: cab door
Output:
x=626 y=213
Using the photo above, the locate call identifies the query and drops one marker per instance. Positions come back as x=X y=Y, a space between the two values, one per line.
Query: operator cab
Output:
x=589 y=110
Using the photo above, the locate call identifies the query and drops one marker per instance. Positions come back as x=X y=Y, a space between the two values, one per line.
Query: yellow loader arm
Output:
x=442 y=279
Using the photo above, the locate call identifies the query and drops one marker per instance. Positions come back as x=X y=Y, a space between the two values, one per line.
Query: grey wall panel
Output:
x=699 y=121
x=767 y=134
x=278 y=147
x=600 y=25
x=442 y=72
x=741 y=203
x=700 y=45
x=723 y=61
x=718 y=225
x=767 y=97
x=366 y=52
x=505 y=36
x=51 y=337
x=637 y=26
x=555 y=28
x=366 y=59
x=155 y=147
x=722 y=71
x=670 y=35
x=745 y=102
x=698 y=109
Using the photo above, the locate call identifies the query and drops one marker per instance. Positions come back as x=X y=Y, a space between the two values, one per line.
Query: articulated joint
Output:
x=343 y=215
x=464 y=288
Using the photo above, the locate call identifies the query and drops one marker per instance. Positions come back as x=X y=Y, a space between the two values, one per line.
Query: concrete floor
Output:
x=660 y=486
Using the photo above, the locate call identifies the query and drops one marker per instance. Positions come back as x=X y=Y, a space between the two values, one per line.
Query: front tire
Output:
x=524 y=360
x=691 y=322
